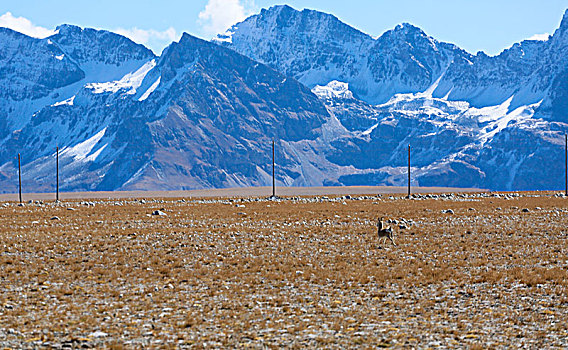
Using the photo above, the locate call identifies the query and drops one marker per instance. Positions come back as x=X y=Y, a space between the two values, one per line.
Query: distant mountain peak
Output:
x=407 y=28
x=68 y=28
x=285 y=16
x=188 y=38
x=185 y=43
x=96 y=45
x=72 y=30
x=289 y=10
x=406 y=31
x=280 y=8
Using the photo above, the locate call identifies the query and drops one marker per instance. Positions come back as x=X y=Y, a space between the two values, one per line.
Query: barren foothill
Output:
x=469 y=270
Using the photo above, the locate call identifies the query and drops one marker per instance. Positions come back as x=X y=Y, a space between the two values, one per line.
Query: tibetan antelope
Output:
x=384 y=231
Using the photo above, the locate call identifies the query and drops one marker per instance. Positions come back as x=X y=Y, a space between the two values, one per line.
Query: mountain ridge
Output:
x=205 y=118
x=245 y=38
x=341 y=105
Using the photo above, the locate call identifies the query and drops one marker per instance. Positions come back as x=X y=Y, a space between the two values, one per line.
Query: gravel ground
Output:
x=470 y=270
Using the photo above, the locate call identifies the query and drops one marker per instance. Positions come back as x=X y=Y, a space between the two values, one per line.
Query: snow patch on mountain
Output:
x=82 y=150
x=497 y=118
x=334 y=89
x=95 y=80
x=151 y=89
x=95 y=155
x=429 y=92
x=129 y=82
x=67 y=102
x=370 y=130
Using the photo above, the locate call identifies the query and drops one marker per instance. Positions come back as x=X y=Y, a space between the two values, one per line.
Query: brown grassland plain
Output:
x=299 y=272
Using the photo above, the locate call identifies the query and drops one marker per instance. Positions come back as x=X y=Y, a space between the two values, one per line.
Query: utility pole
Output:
x=20 y=177
x=409 y=171
x=566 y=163
x=273 y=172
x=57 y=174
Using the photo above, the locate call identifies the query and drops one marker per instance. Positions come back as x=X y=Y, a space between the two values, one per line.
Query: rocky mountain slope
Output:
x=342 y=107
x=37 y=73
x=453 y=143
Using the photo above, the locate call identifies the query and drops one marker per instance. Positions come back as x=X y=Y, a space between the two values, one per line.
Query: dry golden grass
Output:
x=215 y=273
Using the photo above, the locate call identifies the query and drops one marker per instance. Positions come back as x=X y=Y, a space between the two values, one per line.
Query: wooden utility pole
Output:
x=408 y=171
x=20 y=177
x=57 y=174
x=273 y=173
x=566 y=163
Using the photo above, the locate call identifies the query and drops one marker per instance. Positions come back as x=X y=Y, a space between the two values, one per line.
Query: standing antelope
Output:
x=385 y=232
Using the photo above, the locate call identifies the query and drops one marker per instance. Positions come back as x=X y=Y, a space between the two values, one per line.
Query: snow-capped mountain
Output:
x=41 y=72
x=465 y=115
x=49 y=81
x=317 y=48
x=199 y=116
x=342 y=106
x=452 y=142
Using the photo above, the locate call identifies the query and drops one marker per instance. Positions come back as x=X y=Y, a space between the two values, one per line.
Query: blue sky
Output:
x=488 y=25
